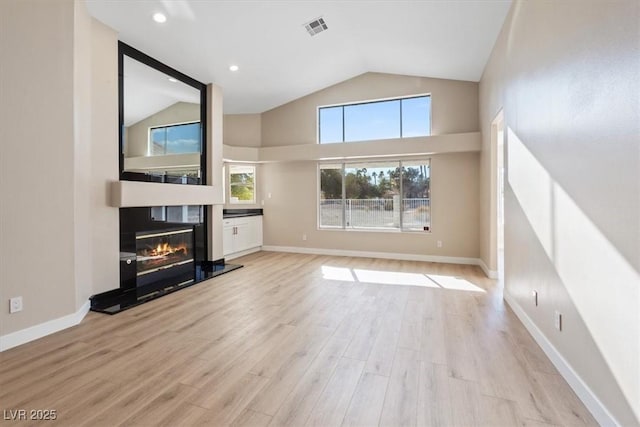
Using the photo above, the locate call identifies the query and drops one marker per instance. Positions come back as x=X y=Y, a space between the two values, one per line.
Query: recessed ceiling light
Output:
x=160 y=18
x=234 y=68
x=172 y=80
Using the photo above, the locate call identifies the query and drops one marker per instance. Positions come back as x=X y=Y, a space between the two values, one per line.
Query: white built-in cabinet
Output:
x=241 y=234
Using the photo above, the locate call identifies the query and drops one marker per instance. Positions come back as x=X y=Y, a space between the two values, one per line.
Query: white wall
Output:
x=567 y=75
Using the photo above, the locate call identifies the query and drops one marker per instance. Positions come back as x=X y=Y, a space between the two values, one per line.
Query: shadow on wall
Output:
x=603 y=286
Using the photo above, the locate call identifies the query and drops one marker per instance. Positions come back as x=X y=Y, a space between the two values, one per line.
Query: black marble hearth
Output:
x=117 y=300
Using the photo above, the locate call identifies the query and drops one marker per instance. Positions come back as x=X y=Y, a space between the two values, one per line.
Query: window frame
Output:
x=344 y=165
x=227 y=187
x=372 y=101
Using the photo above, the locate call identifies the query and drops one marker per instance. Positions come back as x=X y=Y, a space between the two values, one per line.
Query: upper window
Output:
x=174 y=139
x=242 y=180
x=394 y=118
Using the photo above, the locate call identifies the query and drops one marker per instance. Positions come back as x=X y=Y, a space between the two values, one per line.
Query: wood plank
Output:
x=383 y=351
x=368 y=399
x=332 y=405
x=226 y=404
x=250 y=418
x=401 y=399
x=160 y=408
x=297 y=406
x=290 y=372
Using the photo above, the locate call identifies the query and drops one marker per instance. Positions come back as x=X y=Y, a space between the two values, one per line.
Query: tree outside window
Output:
x=242 y=184
x=376 y=195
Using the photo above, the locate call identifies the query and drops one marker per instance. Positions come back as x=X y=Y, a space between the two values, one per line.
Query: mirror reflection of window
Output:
x=162 y=130
x=174 y=139
x=188 y=214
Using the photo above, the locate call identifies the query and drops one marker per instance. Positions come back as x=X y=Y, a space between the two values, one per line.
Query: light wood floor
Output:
x=300 y=340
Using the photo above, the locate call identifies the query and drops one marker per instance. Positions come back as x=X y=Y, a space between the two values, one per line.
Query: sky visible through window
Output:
x=177 y=139
x=397 y=118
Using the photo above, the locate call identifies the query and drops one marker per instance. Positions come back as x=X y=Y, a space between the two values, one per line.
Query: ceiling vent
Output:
x=316 y=26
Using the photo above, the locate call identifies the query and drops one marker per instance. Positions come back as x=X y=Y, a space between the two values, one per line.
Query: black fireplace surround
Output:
x=162 y=249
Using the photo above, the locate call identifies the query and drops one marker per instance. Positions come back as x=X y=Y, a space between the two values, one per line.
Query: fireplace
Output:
x=164 y=257
x=162 y=249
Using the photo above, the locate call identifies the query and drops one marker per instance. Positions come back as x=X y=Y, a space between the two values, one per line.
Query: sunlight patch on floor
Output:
x=337 y=273
x=454 y=283
x=344 y=274
x=393 y=278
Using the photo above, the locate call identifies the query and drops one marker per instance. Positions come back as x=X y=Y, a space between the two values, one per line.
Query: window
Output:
x=242 y=184
x=394 y=118
x=175 y=139
x=384 y=195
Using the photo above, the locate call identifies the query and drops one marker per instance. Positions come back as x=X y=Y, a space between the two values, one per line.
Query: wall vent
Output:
x=316 y=26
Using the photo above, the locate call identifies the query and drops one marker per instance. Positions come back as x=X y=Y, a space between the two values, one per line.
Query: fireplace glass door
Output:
x=164 y=257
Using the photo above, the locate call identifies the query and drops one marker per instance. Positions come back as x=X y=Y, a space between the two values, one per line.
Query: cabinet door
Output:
x=241 y=239
x=228 y=240
x=255 y=232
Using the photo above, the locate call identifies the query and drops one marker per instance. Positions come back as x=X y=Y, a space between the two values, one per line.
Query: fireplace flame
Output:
x=165 y=249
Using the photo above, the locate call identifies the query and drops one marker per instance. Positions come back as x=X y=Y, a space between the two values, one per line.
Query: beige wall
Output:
x=292 y=211
x=243 y=130
x=214 y=169
x=137 y=142
x=58 y=237
x=82 y=81
x=454 y=106
x=37 y=161
x=567 y=76
x=104 y=145
x=59 y=122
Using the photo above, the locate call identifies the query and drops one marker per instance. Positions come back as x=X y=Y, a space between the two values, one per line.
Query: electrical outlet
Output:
x=15 y=304
x=304 y=237
x=268 y=195
x=534 y=294
x=262 y=202
x=439 y=243
x=557 y=320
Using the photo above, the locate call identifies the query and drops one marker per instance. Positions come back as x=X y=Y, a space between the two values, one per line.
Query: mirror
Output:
x=162 y=122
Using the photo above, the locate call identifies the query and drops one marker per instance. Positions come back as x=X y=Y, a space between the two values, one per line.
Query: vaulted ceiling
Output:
x=279 y=61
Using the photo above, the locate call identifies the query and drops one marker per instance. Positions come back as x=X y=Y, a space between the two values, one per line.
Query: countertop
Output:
x=238 y=213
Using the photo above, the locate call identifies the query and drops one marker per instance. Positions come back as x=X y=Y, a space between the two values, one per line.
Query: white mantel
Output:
x=129 y=194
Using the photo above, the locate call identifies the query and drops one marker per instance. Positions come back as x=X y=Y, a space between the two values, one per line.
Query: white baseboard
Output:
x=491 y=274
x=384 y=255
x=32 y=333
x=582 y=390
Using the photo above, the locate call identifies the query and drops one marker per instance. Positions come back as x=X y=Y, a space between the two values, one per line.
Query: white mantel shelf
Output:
x=129 y=194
